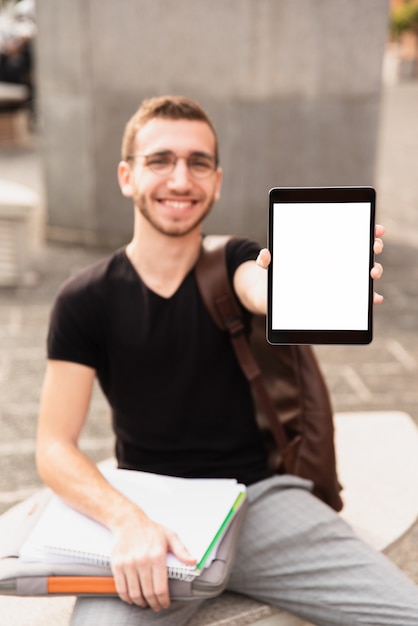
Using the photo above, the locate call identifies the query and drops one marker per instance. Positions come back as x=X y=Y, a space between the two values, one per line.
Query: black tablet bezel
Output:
x=312 y=195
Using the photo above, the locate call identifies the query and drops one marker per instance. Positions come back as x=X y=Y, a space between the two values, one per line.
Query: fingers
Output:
x=379 y=230
x=378 y=242
x=128 y=586
x=376 y=271
x=140 y=568
x=143 y=584
x=154 y=584
x=378 y=246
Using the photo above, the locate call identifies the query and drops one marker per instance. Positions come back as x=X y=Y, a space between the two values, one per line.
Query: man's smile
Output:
x=178 y=205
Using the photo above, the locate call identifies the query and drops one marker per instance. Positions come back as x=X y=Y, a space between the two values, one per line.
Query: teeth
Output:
x=176 y=204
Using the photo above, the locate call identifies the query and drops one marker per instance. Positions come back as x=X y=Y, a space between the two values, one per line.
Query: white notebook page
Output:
x=194 y=508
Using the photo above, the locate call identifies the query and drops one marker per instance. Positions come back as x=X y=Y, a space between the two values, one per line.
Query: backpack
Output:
x=293 y=405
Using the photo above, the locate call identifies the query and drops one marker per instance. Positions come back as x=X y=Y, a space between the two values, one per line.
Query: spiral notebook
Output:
x=198 y=510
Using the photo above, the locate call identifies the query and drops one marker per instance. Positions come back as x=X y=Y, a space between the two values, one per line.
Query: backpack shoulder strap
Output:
x=214 y=285
x=213 y=280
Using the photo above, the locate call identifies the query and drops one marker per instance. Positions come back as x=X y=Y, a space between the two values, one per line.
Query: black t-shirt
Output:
x=180 y=403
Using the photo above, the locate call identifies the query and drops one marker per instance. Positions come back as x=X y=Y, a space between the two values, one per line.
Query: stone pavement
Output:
x=382 y=376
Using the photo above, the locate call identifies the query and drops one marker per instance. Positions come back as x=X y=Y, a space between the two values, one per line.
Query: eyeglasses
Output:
x=199 y=164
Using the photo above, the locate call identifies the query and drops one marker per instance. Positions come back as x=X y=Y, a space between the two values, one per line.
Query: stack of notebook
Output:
x=200 y=511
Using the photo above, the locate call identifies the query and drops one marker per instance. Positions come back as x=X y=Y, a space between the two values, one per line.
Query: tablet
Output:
x=319 y=285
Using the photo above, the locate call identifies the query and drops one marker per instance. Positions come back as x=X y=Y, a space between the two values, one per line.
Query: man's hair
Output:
x=165 y=107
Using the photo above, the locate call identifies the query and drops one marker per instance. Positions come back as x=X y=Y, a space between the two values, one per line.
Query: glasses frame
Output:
x=175 y=158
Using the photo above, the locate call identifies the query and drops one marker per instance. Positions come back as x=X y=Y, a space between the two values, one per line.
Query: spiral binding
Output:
x=186 y=574
x=181 y=573
x=79 y=556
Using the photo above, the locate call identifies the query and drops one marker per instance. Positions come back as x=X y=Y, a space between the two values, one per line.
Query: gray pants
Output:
x=298 y=554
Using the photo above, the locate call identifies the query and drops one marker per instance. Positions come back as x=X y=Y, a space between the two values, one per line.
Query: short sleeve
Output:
x=76 y=326
x=238 y=251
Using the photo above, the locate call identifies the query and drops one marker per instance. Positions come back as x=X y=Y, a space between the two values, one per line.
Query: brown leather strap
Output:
x=220 y=300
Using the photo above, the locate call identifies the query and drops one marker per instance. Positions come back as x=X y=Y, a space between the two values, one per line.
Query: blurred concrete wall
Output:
x=293 y=87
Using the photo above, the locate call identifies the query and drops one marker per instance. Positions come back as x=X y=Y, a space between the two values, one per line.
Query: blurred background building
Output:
x=293 y=88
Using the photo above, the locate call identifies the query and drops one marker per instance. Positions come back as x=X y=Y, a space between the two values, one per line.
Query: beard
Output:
x=175 y=229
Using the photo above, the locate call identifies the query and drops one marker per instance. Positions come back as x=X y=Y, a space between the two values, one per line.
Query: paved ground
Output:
x=380 y=376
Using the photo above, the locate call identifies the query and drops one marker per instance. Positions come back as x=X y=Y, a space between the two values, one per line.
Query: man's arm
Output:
x=140 y=546
x=250 y=278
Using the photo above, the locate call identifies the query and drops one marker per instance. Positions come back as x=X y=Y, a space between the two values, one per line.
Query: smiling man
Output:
x=181 y=406
x=174 y=205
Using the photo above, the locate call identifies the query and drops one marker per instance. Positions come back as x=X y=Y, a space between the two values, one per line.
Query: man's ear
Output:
x=125 y=179
x=218 y=183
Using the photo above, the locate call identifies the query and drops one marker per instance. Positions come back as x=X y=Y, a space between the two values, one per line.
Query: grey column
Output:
x=293 y=87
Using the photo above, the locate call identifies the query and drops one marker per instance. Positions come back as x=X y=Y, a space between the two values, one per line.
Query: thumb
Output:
x=177 y=547
x=264 y=258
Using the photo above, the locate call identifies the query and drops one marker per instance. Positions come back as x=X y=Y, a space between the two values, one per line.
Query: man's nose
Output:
x=180 y=176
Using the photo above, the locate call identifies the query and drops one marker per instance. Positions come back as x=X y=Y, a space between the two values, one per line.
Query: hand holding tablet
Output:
x=319 y=284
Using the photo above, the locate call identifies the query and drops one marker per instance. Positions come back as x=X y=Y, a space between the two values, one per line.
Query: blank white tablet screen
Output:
x=321 y=259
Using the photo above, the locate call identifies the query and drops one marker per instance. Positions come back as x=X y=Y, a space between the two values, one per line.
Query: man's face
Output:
x=174 y=200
